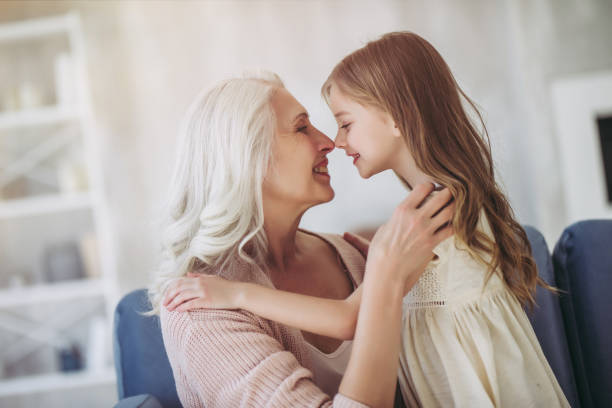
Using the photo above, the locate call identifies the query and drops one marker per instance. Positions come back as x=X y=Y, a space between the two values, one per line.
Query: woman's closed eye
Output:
x=302 y=129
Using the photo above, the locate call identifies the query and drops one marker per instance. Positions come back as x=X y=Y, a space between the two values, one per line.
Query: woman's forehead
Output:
x=288 y=110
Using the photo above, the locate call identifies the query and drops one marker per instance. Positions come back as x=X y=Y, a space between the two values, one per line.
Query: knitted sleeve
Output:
x=223 y=358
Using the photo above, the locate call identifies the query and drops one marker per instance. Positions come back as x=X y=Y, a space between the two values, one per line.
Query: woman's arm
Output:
x=376 y=345
x=413 y=231
x=327 y=317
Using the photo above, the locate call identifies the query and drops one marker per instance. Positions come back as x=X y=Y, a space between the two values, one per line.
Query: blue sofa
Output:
x=582 y=262
x=574 y=328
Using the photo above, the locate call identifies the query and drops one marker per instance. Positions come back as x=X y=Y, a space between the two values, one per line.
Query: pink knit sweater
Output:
x=227 y=358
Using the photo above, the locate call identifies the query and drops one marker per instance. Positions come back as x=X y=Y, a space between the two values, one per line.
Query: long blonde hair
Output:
x=214 y=216
x=403 y=74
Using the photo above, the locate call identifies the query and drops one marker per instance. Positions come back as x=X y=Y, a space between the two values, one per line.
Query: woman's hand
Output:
x=202 y=291
x=403 y=246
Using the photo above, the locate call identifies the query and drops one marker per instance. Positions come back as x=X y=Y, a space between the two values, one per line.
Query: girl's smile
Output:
x=355 y=157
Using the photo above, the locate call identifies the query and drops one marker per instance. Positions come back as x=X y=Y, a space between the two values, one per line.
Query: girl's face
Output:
x=298 y=174
x=367 y=134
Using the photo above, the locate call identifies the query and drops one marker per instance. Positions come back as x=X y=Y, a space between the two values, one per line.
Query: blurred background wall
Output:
x=146 y=61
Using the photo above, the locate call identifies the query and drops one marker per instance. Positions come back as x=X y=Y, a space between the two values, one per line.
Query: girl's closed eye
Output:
x=346 y=126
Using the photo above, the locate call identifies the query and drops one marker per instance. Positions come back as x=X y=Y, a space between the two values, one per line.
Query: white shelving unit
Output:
x=37 y=116
x=45 y=204
x=56 y=292
x=51 y=193
x=55 y=382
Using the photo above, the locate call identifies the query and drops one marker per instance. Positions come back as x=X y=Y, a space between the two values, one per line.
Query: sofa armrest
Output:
x=139 y=401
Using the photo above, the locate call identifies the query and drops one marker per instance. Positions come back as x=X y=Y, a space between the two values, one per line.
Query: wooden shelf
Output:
x=52 y=292
x=55 y=382
x=44 y=204
x=47 y=115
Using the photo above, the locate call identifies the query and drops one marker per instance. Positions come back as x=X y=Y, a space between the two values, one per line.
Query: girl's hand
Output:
x=202 y=291
x=403 y=246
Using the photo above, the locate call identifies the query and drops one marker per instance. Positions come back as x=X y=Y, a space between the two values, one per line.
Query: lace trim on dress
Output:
x=430 y=290
x=427 y=292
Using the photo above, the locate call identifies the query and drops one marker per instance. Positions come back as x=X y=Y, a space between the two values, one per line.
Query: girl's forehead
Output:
x=339 y=103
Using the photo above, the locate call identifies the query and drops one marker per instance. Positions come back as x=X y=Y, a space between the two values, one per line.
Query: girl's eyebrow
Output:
x=341 y=113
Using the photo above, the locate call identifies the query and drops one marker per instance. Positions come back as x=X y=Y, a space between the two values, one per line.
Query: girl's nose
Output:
x=340 y=141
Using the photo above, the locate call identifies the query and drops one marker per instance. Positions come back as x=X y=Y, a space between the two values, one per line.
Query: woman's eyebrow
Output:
x=300 y=116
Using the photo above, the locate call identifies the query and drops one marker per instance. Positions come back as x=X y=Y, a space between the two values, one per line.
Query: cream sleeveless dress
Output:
x=469 y=345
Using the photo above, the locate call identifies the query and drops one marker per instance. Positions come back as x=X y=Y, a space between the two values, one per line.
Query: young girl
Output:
x=466 y=339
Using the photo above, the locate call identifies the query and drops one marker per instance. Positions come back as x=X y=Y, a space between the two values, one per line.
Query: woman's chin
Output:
x=326 y=195
x=330 y=194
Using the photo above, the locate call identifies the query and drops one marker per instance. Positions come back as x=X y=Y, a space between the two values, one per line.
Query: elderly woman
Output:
x=249 y=165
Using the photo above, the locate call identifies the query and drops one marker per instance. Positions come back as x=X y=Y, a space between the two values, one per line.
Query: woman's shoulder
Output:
x=178 y=326
x=351 y=257
x=208 y=319
x=215 y=330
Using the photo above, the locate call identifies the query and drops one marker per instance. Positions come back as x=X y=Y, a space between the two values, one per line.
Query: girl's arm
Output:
x=326 y=317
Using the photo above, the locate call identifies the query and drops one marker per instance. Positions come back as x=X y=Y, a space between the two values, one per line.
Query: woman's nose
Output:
x=324 y=143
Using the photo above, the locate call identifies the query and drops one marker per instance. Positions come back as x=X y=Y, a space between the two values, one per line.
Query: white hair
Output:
x=214 y=213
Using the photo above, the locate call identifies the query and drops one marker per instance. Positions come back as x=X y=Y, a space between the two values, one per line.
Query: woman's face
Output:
x=298 y=173
x=367 y=134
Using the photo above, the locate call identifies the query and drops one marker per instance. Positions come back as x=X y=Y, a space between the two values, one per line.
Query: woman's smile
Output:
x=321 y=169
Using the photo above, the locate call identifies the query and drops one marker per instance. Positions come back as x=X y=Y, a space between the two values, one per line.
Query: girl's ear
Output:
x=396 y=132
x=394 y=128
